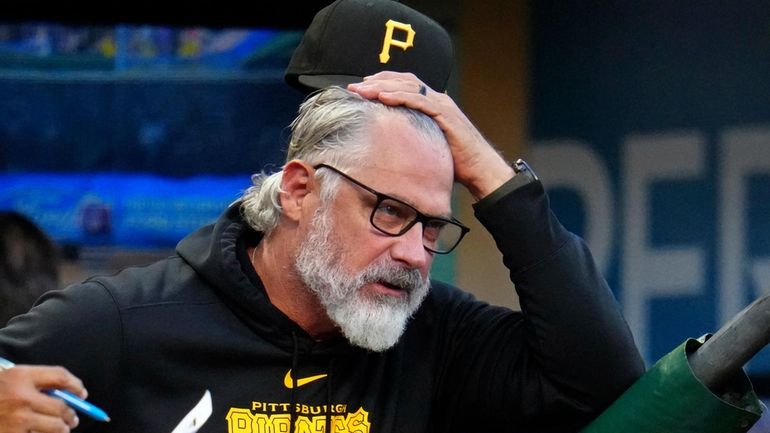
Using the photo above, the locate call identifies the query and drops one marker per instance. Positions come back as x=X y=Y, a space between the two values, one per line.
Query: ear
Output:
x=297 y=183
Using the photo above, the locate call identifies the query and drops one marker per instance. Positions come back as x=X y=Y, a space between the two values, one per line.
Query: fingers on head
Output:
x=392 y=75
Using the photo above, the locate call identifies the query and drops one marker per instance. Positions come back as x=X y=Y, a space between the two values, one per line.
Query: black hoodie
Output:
x=149 y=341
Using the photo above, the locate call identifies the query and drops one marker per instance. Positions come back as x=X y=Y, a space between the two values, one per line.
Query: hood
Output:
x=218 y=254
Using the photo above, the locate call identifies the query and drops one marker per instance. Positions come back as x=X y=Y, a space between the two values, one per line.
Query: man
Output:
x=28 y=264
x=307 y=306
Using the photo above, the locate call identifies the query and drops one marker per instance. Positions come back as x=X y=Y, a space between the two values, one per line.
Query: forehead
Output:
x=408 y=164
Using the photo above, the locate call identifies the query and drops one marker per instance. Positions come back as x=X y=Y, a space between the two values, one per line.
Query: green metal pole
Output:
x=668 y=398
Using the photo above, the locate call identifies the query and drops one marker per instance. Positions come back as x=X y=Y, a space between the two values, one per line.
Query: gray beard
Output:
x=370 y=321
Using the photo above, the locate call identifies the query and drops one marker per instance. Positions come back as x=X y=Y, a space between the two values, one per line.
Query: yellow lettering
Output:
x=358 y=421
x=238 y=421
x=338 y=424
x=388 y=41
x=243 y=421
x=262 y=423
x=281 y=423
x=303 y=425
x=319 y=424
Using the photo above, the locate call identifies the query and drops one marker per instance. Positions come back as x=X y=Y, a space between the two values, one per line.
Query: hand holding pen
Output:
x=24 y=408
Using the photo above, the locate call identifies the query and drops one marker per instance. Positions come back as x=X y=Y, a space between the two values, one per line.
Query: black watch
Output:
x=521 y=168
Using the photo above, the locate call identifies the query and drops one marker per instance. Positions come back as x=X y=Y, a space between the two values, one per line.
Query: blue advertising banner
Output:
x=129 y=210
x=651 y=129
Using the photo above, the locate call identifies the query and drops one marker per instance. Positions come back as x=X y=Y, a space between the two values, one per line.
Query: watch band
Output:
x=524 y=176
x=520 y=167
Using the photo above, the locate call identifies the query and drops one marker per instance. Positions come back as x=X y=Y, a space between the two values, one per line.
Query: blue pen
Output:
x=71 y=399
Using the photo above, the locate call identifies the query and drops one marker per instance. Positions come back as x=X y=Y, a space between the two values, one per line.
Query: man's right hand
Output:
x=477 y=164
x=25 y=408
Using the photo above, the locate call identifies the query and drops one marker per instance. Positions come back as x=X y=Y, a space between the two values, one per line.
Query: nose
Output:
x=408 y=248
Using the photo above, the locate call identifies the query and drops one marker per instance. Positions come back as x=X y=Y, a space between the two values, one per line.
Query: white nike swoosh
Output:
x=196 y=417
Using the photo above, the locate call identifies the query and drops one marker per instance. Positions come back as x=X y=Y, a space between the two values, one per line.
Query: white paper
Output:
x=196 y=417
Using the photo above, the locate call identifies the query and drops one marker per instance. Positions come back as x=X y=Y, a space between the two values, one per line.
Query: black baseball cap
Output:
x=350 y=39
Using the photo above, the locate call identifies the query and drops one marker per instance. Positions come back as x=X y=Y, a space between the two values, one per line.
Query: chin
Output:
x=373 y=323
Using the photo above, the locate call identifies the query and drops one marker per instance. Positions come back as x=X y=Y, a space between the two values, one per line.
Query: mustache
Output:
x=408 y=279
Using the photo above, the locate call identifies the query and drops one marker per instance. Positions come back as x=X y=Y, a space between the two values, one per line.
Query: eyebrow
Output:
x=446 y=216
x=394 y=196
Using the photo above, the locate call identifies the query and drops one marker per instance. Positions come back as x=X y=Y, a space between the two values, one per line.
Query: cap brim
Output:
x=320 y=81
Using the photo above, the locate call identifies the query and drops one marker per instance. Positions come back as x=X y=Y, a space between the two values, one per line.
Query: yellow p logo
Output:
x=389 y=41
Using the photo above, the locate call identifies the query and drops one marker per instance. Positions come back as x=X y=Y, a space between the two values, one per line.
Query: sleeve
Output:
x=77 y=328
x=567 y=354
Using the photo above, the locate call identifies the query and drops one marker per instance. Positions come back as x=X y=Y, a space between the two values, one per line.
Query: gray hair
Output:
x=331 y=128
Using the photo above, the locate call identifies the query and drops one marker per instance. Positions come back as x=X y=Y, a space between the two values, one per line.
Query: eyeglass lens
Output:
x=395 y=218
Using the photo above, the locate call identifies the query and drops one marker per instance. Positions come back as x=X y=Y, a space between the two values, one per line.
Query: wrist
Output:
x=494 y=178
x=524 y=176
x=490 y=180
x=521 y=168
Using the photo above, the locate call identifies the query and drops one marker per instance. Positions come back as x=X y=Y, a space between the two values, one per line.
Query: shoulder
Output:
x=448 y=303
x=167 y=281
x=445 y=294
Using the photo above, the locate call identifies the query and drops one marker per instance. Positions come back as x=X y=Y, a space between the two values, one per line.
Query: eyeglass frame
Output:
x=419 y=216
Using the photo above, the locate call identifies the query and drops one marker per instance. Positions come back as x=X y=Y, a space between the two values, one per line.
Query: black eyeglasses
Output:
x=394 y=218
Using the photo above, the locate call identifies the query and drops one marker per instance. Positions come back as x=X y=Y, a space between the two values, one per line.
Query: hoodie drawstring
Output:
x=295 y=374
x=294 y=363
x=329 y=396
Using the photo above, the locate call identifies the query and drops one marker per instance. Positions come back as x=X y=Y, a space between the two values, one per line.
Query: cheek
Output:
x=359 y=242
